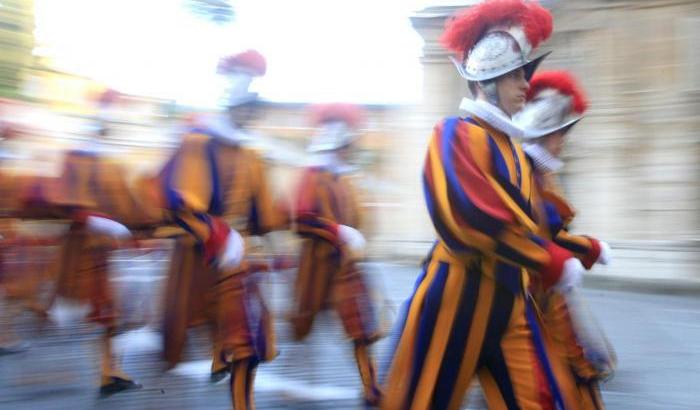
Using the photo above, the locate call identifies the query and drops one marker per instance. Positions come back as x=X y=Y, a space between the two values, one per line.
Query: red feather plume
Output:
x=561 y=81
x=250 y=61
x=108 y=97
x=465 y=29
x=351 y=114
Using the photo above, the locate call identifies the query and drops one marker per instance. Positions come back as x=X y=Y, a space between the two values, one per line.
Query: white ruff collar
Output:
x=544 y=161
x=224 y=130
x=331 y=163
x=493 y=115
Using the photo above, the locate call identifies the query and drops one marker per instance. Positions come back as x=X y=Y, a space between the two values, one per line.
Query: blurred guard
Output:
x=555 y=104
x=22 y=270
x=470 y=313
x=216 y=189
x=327 y=217
x=92 y=194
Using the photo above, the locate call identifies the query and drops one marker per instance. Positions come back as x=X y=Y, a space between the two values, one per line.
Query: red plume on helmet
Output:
x=464 y=30
x=107 y=97
x=351 y=114
x=564 y=83
x=249 y=61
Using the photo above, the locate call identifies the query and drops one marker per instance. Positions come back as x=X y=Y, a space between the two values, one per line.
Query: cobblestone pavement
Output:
x=657 y=338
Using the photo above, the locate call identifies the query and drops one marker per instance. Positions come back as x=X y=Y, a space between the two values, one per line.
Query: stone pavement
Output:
x=657 y=338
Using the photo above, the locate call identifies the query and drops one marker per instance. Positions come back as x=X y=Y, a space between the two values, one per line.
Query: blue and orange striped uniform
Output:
x=583 y=386
x=327 y=278
x=89 y=184
x=207 y=186
x=470 y=313
x=25 y=263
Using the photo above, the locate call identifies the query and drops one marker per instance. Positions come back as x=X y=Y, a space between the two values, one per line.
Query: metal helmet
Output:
x=337 y=124
x=240 y=69
x=554 y=102
x=332 y=136
x=496 y=37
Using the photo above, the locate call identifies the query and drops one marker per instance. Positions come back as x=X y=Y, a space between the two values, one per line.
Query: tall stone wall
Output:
x=633 y=168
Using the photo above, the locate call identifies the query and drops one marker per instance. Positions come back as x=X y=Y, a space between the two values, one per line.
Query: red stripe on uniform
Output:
x=479 y=191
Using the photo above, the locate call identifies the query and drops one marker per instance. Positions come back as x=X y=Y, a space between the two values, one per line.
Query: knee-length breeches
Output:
x=460 y=323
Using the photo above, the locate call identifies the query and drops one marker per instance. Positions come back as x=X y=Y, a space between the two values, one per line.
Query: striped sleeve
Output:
x=189 y=184
x=584 y=248
x=559 y=215
x=309 y=218
x=467 y=209
x=83 y=189
x=264 y=215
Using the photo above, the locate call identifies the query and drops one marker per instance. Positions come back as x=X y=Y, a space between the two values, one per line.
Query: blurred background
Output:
x=633 y=164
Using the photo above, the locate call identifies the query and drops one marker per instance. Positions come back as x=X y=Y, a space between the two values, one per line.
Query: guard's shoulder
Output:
x=460 y=128
x=195 y=137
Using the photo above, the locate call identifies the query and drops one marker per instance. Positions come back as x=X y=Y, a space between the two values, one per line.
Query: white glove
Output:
x=605 y=257
x=105 y=226
x=231 y=254
x=571 y=276
x=353 y=240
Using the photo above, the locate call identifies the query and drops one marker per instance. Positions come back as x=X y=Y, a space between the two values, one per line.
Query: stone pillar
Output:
x=632 y=164
x=404 y=227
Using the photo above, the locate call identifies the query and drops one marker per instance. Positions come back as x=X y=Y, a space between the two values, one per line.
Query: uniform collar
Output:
x=224 y=131
x=543 y=160
x=492 y=115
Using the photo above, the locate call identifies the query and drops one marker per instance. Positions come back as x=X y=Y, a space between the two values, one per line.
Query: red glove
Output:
x=551 y=273
x=217 y=238
x=593 y=254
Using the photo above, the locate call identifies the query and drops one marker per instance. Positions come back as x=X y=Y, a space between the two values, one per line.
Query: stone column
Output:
x=404 y=225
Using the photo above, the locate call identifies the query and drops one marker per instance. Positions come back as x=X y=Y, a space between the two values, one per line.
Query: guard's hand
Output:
x=605 y=257
x=108 y=227
x=231 y=253
x=352 y=240
x=571 y=276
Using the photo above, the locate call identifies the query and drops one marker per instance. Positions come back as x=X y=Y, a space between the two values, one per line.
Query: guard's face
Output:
x=345 y=153
x=512 y=90
x=554 y=143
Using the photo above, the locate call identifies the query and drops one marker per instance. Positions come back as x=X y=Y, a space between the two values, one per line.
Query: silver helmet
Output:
x=496 y=37
x=239 y=70
x=337 y=125
x=332 y=136
x=499 y=52
x=555 y=102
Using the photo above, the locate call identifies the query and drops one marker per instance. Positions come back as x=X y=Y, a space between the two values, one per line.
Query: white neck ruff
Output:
x=543 y=159
x=493 y=115
x=225 y=131
x=330 y=161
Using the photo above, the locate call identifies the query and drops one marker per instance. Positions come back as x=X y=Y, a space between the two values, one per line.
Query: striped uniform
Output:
x=555 y=311
x=24 y=259
x=209 y=185
x=326 y=277
x=470 y=314
x=24 y=271
x=89 y=184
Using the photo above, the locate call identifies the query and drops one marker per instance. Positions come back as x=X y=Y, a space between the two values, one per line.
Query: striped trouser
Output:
x=578 y=376
x=324 y=281
x=459 y=324
x=241 y=383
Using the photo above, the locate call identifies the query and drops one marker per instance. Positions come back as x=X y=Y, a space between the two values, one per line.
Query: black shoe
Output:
x=14 y=349
x=371 y=404
x=218 y=375
x=118 y=385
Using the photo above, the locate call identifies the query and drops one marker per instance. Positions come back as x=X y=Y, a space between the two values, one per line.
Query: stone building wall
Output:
x=633 y=168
